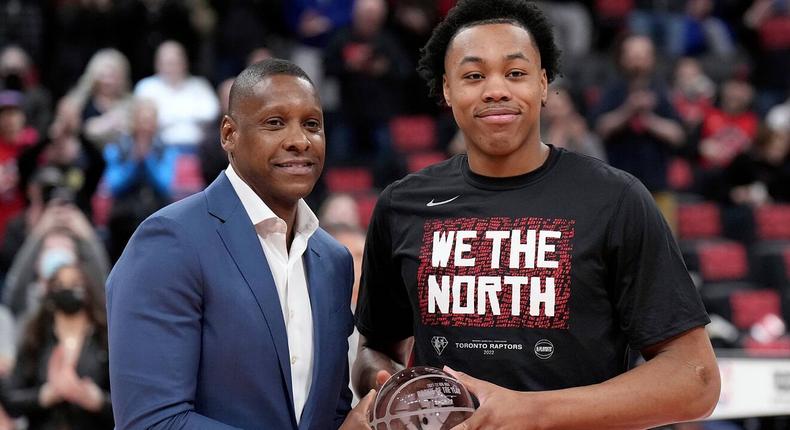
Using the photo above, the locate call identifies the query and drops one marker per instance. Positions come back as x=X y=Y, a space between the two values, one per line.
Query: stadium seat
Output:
x=722 y=261
x=421 y=160
x=699 y=221
x=413 y=133
x=348 y=180
x=773 y=222
x=750 y=306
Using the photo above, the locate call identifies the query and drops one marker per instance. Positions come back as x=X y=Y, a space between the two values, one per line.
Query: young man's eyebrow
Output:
x=471 y=59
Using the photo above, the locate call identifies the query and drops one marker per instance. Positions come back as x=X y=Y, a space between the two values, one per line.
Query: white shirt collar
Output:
x=306 y=221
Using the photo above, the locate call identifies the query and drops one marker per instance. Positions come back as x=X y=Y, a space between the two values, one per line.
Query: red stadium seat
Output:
x=413 y=133
x=699 y=221
x=421 y=160
x=750 y=306
x=722 y=261
x=348 y=180
x=773 y=222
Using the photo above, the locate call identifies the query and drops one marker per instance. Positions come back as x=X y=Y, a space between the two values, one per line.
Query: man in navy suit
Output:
x=230 y=308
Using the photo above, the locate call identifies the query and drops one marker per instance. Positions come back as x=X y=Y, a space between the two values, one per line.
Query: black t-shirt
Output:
x=593 y=271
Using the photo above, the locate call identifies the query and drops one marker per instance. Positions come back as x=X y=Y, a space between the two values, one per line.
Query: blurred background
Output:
x=109 y=110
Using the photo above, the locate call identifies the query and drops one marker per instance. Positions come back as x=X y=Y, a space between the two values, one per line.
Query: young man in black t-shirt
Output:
x=531 y=269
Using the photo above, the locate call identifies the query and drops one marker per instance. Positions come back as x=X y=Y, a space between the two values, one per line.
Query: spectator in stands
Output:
x=637 y=122
x=23 y=24
x=412 y=23
x=8 y=340
x=80 y=162
x=61 y=380
x=184 y=102
x=39 y=188
x=770 y=19
x=371 y=67
x=729 y=129
x=75 y=31
x=610 y=19
x=157 y=21
x=103 y=94
x=63 y=235
x=778 y=118
x=15 y=136
x=17 y=73
x=563 y=127
x=255 y=23
x=660 y=20
x=701 y=33
x=140 y=170
x=573 y=26
x=762 y=175
x=339 y=209
x=314 y=21
x=692 y=94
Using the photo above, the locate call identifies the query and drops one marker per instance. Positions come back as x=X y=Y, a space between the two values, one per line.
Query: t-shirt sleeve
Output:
x=652 y=292
x=383 y=308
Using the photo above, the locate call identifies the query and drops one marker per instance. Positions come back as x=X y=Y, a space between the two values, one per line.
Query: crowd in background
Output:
x=109 y=110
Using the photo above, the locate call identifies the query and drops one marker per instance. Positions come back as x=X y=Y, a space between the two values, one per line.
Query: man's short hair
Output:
x=470 y=13
x=246 y=80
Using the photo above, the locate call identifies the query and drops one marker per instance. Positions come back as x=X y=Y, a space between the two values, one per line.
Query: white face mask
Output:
x=53 y=259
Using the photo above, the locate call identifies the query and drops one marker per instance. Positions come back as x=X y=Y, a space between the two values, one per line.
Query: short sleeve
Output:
x=652 y=292
x=383 y=308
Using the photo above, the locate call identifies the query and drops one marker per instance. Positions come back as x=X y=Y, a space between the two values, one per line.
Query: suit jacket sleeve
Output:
x=154 y=307
x=344 y=402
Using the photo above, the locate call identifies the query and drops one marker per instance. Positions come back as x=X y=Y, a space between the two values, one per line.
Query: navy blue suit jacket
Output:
x=197 y=336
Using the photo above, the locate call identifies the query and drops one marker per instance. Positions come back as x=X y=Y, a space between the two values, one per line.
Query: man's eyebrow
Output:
x=509 y=57
x=517 y=56
x=471 y=59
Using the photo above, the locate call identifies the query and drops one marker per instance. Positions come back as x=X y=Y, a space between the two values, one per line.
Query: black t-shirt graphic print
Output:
x=534 y=282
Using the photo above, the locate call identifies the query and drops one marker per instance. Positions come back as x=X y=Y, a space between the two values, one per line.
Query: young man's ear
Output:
x=446 y=90
x=227 y=134
x=544 y=85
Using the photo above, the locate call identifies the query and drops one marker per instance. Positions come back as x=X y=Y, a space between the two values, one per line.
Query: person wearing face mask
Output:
x=61 y=379
x=63 y=235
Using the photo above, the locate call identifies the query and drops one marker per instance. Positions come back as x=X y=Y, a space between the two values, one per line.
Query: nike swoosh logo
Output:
x=432 y=203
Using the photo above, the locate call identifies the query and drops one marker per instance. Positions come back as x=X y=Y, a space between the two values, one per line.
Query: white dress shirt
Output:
x=289 y=276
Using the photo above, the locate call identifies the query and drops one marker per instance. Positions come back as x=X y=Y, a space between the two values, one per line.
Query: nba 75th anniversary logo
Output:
x=439 y=343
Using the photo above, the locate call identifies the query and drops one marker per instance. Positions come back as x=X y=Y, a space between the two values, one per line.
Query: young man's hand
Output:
x=500 y=408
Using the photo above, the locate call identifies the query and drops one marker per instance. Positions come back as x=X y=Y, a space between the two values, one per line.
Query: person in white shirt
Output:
x=230 y=308
x=184 y=102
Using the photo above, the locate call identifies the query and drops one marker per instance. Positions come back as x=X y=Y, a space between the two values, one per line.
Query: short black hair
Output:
x=249 y=77
x=470 y=13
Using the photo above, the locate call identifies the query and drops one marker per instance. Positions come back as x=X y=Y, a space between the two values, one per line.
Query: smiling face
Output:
x=495 y=85
x=275 y=138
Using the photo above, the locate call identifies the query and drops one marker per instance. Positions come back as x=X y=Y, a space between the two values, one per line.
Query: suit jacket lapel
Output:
x=241 y=240
x=320 y=301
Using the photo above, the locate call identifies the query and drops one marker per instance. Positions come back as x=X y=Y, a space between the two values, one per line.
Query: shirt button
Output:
x=293 y=360
x=290 y=314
